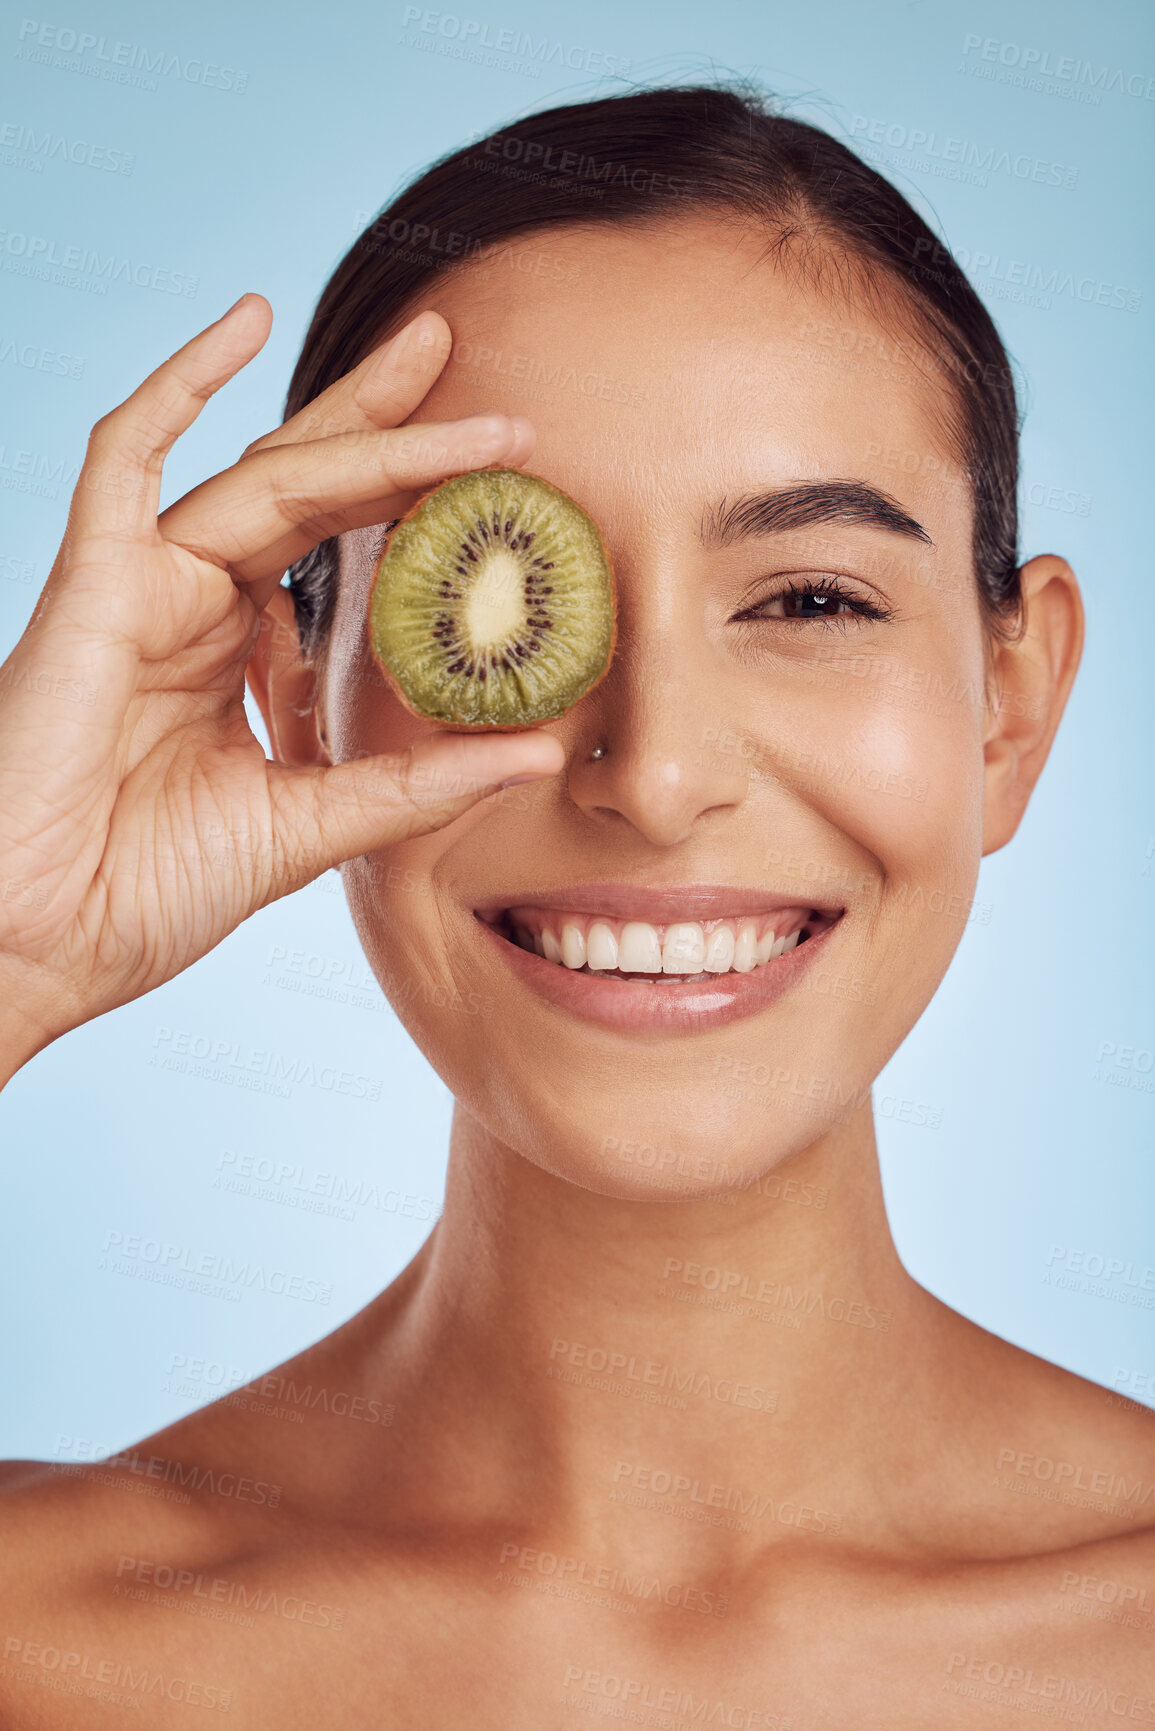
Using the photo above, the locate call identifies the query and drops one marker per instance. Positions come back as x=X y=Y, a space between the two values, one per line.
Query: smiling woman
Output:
x=678 y=1438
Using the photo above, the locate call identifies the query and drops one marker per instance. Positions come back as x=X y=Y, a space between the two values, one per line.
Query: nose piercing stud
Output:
x=598 y=751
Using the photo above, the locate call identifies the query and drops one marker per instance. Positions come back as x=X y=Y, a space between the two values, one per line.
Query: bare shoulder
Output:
x=1078 y=1465
x=1061 y=1441
x=150 y=1570
x=1039 y=1457
x=238 y=1474
x=187 y=1488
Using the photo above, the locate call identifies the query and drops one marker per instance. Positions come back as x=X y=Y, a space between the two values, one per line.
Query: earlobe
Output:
x=1031 y=681
x=285 y=686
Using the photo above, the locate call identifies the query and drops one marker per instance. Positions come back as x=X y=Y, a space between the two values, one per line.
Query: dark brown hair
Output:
x=652 y=154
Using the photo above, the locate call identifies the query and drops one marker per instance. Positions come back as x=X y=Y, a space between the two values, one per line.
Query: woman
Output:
x=655 y=1425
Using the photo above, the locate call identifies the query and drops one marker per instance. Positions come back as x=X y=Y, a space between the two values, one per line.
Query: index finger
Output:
x=380 y=392
x=118 y=489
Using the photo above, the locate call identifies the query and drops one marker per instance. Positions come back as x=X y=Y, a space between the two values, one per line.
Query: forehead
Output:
x=689 y=347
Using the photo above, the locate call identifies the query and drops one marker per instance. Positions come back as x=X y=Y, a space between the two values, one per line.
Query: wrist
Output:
x=23 y=1032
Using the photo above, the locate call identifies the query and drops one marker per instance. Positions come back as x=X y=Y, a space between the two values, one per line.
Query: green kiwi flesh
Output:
x=493 y=604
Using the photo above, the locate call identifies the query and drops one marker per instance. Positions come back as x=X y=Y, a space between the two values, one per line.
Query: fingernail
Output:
x=530 y=775
x=426 y=336
x=234 y=307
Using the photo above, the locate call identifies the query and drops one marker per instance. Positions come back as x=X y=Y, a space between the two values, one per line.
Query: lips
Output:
x=660 y=904
x=666 y=957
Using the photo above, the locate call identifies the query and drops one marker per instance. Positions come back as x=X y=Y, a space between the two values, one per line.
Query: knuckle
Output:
x=123 y=437
x=103 y=432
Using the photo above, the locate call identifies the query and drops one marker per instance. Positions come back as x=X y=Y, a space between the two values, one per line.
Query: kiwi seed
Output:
x=494 y=603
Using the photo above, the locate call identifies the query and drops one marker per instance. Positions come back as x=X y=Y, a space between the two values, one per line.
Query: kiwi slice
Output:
x=494 y=603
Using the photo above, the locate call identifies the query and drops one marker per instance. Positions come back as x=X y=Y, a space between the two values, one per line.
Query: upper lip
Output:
x=658 y=905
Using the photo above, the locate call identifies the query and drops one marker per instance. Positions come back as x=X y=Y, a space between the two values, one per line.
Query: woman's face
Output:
x=793 y=717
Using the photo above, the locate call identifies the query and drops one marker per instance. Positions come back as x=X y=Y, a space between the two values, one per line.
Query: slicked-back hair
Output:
x=652 y=155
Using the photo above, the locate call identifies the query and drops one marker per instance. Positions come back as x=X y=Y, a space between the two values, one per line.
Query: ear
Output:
x=1032 y=678
x=285 y=686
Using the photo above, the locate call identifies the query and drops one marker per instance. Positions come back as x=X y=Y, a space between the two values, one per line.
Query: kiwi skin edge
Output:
x=486 y=726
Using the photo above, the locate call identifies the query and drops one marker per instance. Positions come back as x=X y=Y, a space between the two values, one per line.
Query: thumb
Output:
x=324 y=816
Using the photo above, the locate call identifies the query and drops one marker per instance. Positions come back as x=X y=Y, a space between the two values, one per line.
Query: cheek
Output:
x=884 y=742
x=363 y=716
x=392 y=898
x=899 y=774
x=408 y=921
x=902 y=783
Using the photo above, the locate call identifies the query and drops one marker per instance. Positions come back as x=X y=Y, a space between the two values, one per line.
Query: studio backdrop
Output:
x=200 y=1184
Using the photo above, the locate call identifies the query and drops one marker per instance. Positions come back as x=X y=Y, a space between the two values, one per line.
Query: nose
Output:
x=658 y=777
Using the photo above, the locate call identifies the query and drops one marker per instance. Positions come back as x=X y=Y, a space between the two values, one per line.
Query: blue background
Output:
x=1017 y=1147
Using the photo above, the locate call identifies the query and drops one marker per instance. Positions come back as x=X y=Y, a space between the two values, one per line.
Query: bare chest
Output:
x=405 y=1650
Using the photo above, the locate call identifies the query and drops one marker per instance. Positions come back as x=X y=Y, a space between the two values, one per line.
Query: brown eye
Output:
x=819 y=599
x=811 y=604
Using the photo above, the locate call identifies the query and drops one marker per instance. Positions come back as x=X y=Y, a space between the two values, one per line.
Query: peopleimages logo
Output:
x=40 y=360
x=733 y=1283
x=177 y=1259
x=186 y=1473
x=215 y=1590
x=113 y=1681
x=246 y=1066
x=19 y=141
x=657 y=1374
x=604 y=1577
x=608 y=1693
x=1075 y=1477
x=1041 y=63
x=477 y=33
x=943 y=149
x=299 y=1186
x=39 y=256
x=1015 y=277
x=119 y=62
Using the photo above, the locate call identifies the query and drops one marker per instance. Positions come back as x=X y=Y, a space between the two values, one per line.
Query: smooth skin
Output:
x=861 y=1538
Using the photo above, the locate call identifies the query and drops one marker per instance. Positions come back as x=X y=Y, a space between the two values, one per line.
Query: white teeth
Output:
x=601 y=946
x=639 y=951
x=765 y=948
x=684 y=950
x=573 y=945
x=719 y=951
x=745 y=948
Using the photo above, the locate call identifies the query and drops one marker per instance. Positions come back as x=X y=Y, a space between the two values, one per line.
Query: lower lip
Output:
x=668 y=1009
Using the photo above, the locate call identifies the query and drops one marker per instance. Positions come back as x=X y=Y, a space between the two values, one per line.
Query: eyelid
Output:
x=869 y=605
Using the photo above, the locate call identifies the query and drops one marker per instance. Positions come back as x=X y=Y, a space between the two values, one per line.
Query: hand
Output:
x=140 y=821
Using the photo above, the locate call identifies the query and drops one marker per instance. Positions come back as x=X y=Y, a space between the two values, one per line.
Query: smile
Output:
x=675 y=951
x=674 y=960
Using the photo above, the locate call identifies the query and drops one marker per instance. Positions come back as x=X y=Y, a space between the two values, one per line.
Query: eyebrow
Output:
x=802 y=504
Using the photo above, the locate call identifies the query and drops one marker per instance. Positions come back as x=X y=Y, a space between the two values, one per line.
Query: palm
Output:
x=167 y=791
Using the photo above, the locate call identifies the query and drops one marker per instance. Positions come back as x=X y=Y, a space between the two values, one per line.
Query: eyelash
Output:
x=827 y=586
x=379 y=545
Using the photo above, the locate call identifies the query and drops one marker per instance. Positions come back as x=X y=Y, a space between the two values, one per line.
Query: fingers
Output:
x=382 y=392
x=119 y=485
x=325 y=816
x=274 y=505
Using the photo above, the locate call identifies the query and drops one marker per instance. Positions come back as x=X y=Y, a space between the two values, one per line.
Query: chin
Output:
x=710 y=1151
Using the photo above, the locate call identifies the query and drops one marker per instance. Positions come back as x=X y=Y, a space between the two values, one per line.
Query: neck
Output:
x=585 y=1345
